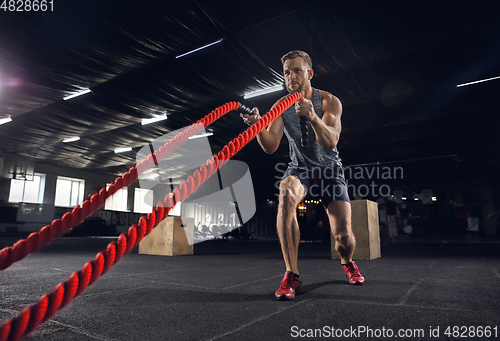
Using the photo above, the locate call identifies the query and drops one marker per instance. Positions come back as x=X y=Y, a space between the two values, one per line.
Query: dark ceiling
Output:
x=393 y=64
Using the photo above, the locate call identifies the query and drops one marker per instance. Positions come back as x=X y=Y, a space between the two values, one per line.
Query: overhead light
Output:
x=403 y=198
x=263 y=91
x=200 y=48
x=83 y=92
x=480 y=81
x=71 y=139
x=156 y=118
x=434 y=199
x=208 y=133
x=122 y=150
x=5 y=120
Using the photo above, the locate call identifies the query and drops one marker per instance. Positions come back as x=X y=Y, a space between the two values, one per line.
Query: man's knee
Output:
x=344 y=238
x=291 y=192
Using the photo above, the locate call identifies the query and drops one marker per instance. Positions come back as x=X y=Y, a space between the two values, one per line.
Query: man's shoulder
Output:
x=331 y=103
x=325 y=95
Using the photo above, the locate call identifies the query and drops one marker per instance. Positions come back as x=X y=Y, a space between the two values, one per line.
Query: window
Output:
x=118 y=201
x=69 y=192
x=143 y=200
x=28 y=191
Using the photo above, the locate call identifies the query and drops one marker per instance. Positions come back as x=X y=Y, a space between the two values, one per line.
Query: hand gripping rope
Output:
x=32 y=316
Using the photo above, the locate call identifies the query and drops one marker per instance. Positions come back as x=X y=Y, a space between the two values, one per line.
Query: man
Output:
x=315 y=169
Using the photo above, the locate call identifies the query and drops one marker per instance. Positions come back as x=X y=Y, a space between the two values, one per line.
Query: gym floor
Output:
x=225 y=291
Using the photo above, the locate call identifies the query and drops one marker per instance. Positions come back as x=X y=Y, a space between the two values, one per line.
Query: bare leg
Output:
x=339 y=214
x=291 y=194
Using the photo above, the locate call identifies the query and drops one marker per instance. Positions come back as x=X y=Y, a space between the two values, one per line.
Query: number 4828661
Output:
x=27 y=6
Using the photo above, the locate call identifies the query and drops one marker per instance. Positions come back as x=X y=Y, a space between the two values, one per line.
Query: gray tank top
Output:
x=315 y=155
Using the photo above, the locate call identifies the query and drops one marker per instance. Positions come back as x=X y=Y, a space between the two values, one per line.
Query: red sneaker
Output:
x=289 y=285
x=352 y=272
x=296 y=284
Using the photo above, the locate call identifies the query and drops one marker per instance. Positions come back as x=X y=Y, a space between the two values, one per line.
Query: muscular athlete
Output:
x=314 y=170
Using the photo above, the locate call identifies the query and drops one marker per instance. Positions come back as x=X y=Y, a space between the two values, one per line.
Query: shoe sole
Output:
x=286 y=298
x=355 y=283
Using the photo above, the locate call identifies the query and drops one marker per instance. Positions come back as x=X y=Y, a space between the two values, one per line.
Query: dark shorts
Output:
x=326 y=184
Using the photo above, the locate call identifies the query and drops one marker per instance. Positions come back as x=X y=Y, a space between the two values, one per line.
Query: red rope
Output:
x=58 y=227
x=32 y=316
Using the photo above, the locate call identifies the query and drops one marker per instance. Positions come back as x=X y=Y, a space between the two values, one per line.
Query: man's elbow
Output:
x=269 y=151
x=268 y=148
x=330 y=144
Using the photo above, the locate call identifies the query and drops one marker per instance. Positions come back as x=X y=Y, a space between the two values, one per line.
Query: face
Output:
x=297 y=75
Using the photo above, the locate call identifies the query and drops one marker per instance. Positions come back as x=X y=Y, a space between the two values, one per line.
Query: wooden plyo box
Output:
x=366 y=230
x=169 y=238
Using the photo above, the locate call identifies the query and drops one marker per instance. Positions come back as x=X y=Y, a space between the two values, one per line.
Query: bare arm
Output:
x=269 y=139
x=328 y=128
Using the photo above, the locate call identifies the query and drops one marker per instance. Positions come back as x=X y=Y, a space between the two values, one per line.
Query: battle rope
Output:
x=32 y=316
x=58 y=227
